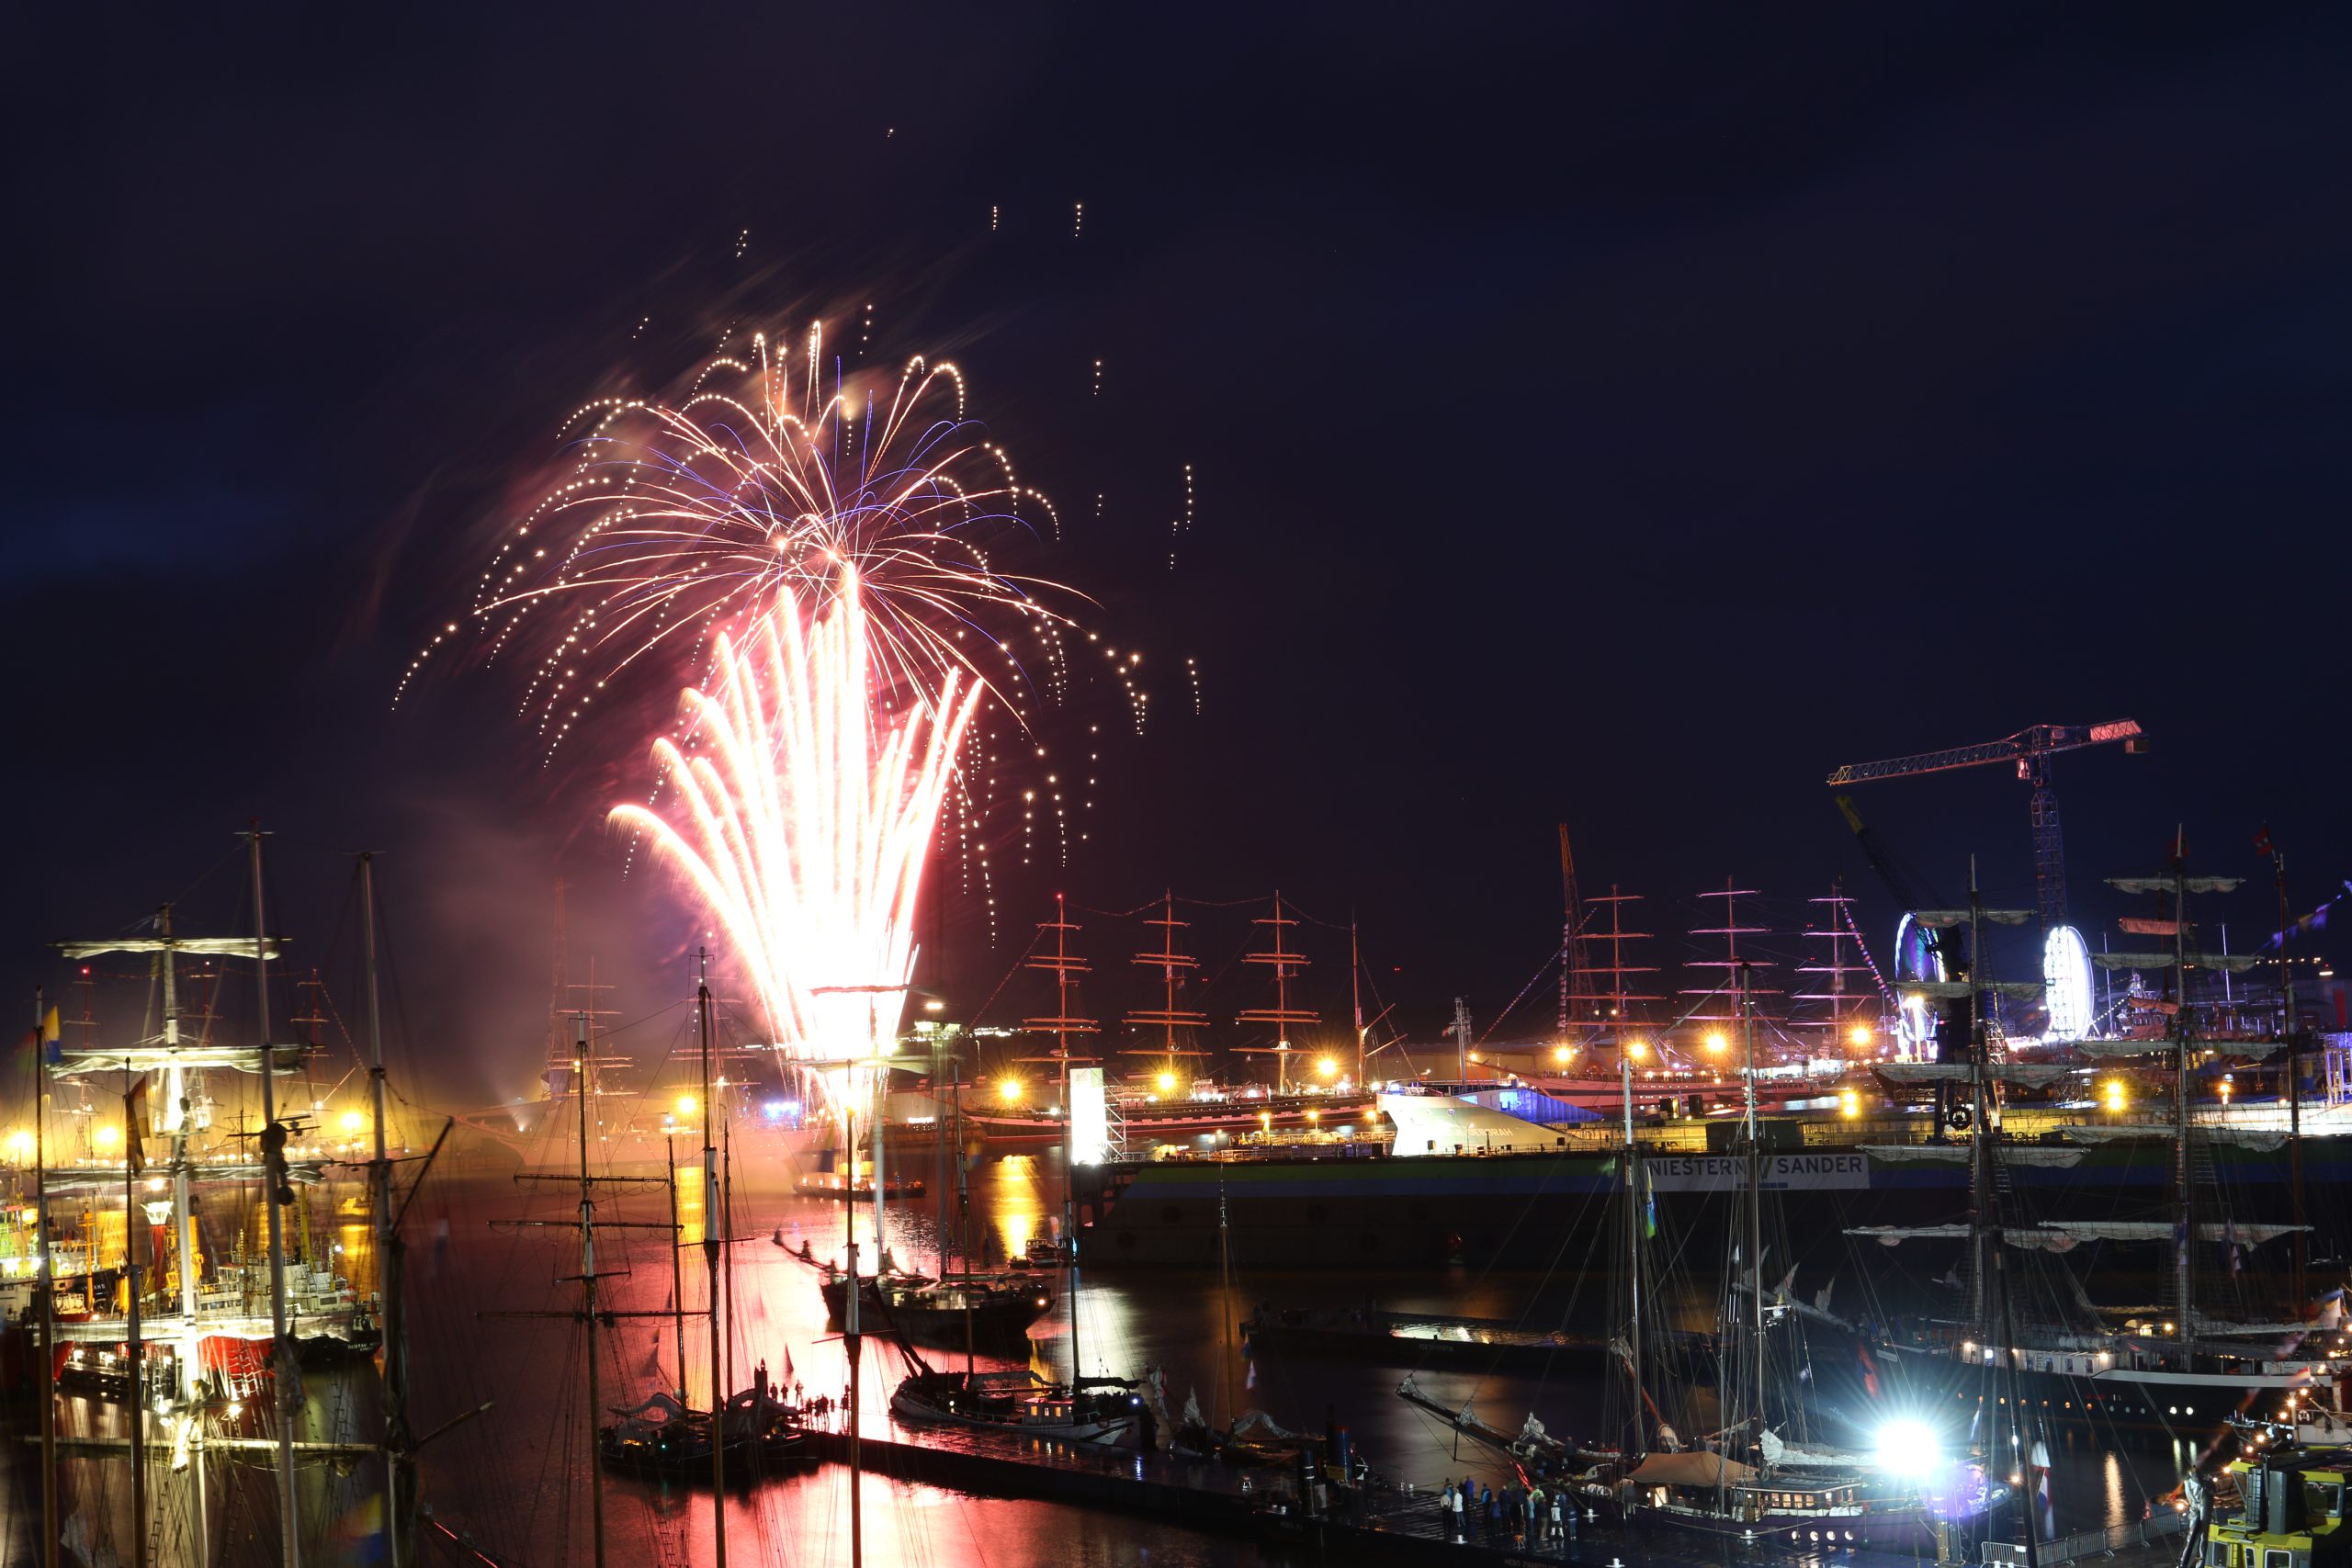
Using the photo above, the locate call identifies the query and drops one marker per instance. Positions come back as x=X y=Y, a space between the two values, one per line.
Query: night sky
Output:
x=1615 y=415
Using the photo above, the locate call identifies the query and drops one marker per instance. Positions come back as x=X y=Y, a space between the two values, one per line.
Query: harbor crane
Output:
x=2031 y=750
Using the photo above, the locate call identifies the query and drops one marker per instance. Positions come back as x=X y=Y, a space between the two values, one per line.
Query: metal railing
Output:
x=2089 y=1543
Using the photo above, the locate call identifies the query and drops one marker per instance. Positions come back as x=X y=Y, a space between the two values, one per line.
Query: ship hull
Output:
x=1537 y=1210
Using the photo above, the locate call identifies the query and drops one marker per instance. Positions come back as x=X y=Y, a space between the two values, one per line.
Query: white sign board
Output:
x=1090 y=1118
x=1783 y=1173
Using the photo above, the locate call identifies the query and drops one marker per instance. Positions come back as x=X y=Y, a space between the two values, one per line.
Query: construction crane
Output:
x=2031 y=750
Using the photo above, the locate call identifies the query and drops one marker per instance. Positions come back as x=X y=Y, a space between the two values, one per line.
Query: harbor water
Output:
x=514 y=1482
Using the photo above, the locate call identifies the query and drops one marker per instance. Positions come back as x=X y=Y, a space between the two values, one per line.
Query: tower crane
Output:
x=2031 y=750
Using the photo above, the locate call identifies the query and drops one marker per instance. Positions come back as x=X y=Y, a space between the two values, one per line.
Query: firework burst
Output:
x=769 y=478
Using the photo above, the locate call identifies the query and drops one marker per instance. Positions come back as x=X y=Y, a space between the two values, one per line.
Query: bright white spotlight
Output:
x=1909 y=1448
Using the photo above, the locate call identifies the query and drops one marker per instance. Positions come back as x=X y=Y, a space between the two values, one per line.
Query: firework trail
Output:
x=803 y=816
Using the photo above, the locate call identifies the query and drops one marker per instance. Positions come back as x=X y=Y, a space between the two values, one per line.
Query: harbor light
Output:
x=106 y=1137
x=1327 y=1067
x=687 y=1105
x=1638 y=1049
x=1850 y=1103
x=1562 y=1055
x=1859 y=1037
x=2114 y=1091
x=353 y=1122
x=1009 y=1091
x=1908 y=1447
x=20 y=1145
x=1716 y=1042
x=1167 y=1083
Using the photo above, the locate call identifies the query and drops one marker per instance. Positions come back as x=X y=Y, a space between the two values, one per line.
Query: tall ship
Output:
x=1172 y=1093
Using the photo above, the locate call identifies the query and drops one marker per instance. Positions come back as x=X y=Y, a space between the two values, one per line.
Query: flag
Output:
x=2262 y=845
x=44 y=1033
x=134 y=1125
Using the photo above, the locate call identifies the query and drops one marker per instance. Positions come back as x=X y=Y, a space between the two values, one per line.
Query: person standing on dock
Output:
x=1559 y=1540
x=1535 y=1501
x=1457 y=1510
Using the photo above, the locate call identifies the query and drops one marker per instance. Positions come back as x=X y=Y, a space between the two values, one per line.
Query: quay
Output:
x=1381 y=1521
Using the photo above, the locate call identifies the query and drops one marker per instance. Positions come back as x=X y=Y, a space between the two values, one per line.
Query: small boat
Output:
x=989 y=1310
x=833 y=1184
x=1424 y=1339
x=663 y=1437
x=1094 y=1410
x=1854 y=1505
x=1256 y=1439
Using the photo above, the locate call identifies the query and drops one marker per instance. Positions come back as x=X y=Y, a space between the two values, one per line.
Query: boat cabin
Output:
x=2292 y=1514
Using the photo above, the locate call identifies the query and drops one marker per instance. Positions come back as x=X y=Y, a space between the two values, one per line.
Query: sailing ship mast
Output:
x=1629 y=1171
x=1571 y=950
x=276 y=1192
x=1840 y=1020
x=1618 y=999
x=1066 y=967
x=181 y=1067
x=2175 y=887
x=1175 y=968
x=1282 y=1015
x=1733 y=964
x=711 y=1242
x=399 y=1479
x=1754 y=1197
x=135 y=1105
x=51 y=1526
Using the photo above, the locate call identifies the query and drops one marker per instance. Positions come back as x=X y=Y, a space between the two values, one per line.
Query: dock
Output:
x=1384 y=1522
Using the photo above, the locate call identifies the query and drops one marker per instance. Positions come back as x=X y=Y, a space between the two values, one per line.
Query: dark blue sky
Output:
x=1616 y=414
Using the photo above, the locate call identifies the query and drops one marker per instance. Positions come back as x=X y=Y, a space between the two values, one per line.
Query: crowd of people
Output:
x=1526 y=1515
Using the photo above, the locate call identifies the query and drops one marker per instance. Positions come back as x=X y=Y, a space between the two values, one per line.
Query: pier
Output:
x=1383 y=1521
